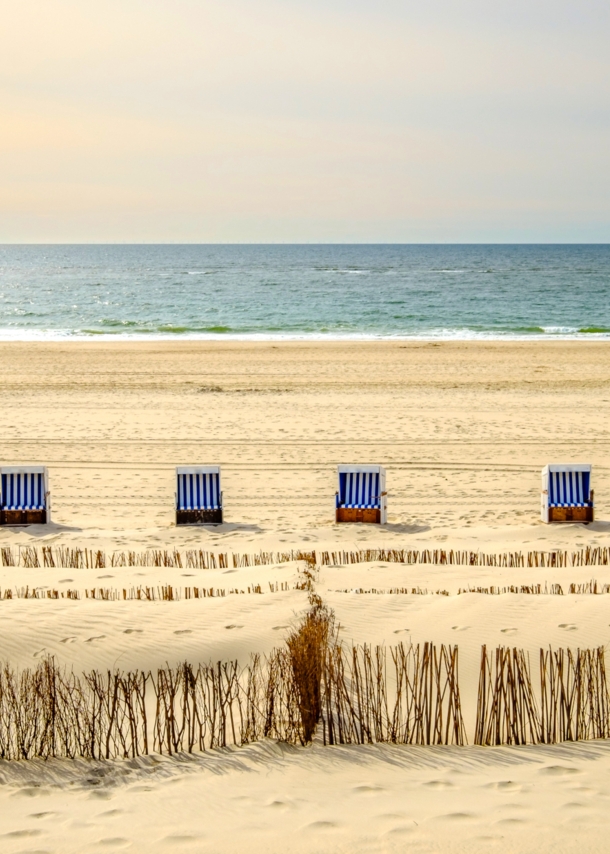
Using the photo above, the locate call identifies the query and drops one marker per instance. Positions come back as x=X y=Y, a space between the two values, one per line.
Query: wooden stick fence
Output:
x=401 y=695
x=85 y=558
x=598 y=556
x=163 y=592
x=573 y=703
x=574 y=689
x=50 y=711
x=173 y=593
x=591 y=587
x=418 y=703
x=507 y=712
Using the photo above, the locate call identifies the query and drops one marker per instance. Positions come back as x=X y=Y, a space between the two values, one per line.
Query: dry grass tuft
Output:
x=308 y=646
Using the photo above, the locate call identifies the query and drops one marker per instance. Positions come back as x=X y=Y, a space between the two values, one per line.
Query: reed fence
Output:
x=590 y=556
x=73 y=557
x=591 y=587
x=403 y=694
x=572 y=703
x=175 y=593
x=418 y=702
x=158 y=593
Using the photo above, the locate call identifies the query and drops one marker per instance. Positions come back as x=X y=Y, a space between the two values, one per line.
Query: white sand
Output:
x=463 y=431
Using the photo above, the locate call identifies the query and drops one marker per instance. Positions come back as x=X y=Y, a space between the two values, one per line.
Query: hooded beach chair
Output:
x=198 y=495
x=566 y=493
x=361 y=496
x=25 y=498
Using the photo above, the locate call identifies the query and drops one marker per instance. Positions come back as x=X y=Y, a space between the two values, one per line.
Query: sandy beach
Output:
x=463 y=430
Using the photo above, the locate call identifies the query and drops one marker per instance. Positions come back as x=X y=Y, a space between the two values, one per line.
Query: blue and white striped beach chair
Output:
x=25 y=497
x=198 y=495
x=566 y=493
x=361 y=496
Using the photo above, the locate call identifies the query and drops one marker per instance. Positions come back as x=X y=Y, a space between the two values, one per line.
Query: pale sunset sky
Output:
x=304 y=121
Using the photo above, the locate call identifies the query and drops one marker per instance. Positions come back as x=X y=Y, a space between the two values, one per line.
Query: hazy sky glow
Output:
x=377 y=121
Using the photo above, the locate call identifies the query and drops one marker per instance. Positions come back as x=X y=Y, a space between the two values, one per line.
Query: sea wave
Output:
x=456 y=293
x=168 y=333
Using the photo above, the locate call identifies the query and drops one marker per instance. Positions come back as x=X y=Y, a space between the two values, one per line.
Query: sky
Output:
x=304 y=121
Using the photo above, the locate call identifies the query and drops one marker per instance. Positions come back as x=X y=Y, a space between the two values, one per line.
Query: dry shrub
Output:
x=307 y=646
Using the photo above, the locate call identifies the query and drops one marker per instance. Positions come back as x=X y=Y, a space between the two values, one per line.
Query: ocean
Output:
x=304 y=291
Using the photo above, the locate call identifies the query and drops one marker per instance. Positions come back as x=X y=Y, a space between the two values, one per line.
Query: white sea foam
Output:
x=65 y=335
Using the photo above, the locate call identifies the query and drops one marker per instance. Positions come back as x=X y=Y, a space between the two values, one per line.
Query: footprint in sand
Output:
x=322 y=825
x=67 y=640
x=400 y=631
x=510 y=631
x=460 y=628
x=105 y=576
x=457 y=816
x=94 y=638
x=40 y=652
x=132 y=631
x=559 y=771
x=65 y=580
x=280 y=805
x=402 y=829
x=31 y=792
x=569 y=627
x=183 y=632
x=22 y=834
x=277 y=628
x=233 y=627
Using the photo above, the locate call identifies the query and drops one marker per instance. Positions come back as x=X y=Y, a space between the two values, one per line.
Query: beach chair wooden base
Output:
x=23 y=517
x=198 y=517
x=355 y=514
x=570 y=514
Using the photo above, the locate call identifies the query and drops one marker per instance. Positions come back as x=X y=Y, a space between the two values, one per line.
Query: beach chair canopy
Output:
x=568 y=485
x=198 y=488
x=24 y=488
x=360 y=487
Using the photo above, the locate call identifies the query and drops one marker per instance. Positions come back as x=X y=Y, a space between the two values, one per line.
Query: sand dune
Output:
x=463 y=431
x=272 y=798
